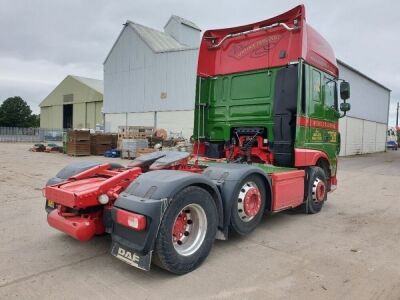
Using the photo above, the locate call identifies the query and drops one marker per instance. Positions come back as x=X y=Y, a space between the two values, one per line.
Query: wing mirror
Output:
x=345 y=107
x=344 y=91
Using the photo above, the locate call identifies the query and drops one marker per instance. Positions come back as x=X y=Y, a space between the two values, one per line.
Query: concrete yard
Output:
x=351 y=250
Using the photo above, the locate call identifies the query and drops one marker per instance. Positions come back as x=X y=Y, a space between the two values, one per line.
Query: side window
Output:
x=330 y=94
x=316 y=86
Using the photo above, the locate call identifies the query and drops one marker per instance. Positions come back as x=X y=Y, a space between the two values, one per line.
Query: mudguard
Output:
x=228 y=177
x=150 y=195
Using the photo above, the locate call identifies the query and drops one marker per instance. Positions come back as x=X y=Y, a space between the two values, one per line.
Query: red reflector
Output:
x=131 y=220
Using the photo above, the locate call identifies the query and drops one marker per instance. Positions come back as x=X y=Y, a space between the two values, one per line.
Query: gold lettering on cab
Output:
x=255 y=48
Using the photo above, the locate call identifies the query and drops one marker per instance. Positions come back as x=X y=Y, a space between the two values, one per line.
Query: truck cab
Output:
x=268 y=93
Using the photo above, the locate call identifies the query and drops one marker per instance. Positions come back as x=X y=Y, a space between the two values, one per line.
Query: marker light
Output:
x=103 y=199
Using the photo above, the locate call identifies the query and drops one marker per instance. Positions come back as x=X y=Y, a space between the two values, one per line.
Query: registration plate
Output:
x=131 y=257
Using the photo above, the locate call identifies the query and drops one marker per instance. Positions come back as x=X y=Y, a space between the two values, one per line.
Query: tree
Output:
x=15 y=112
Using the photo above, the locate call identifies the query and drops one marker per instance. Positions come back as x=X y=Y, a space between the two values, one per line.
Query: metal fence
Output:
x=30 y=135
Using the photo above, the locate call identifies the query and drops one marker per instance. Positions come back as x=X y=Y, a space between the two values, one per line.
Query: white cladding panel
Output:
x=361 y=136
x=177 y=121
x=182 y=33
x=112 y=121
x=369 y=137
x=138 y=80
x=369 y=101
x=172 y=121
x=381 y=131
x=354 y=136
x=141 y=119
x=343 y=135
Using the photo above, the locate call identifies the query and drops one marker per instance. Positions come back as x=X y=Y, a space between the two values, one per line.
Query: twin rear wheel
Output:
x=187 y=231
x=189 y=225
x=249 y=205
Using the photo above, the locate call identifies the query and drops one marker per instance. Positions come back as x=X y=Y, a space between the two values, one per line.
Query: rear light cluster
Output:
x=131 y=220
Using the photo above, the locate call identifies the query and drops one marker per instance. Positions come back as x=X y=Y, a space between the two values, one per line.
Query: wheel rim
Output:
x=319 y=190
x=249 y=201
x=189 y=229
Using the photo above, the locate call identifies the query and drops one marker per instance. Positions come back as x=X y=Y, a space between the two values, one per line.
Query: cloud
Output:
x=44 y=41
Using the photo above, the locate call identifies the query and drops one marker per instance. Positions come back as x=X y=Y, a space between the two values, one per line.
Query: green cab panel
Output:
x=234 y=100
x=247 y=100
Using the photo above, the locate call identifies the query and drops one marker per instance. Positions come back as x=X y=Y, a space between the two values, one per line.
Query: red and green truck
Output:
x=265 y=140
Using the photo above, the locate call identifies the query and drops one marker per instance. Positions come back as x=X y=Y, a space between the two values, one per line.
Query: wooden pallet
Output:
x=101 y=142
x=81 y=148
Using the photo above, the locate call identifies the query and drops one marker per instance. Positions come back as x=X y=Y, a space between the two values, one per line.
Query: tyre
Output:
x=315 y=190
x=187 y=231
x=249 y=205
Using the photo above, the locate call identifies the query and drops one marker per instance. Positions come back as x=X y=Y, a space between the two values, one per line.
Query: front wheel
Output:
x=315 y=192
x=187 y=231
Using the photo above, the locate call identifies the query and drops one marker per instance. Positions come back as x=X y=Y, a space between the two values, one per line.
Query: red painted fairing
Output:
x=307 y=157
x=333 y=183
x=287 y=189
x=262 y=49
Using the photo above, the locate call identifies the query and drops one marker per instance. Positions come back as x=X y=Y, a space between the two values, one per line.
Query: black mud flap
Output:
x=131 y=257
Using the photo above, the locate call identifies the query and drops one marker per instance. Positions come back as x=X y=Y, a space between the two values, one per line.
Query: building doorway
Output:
x=67 y=115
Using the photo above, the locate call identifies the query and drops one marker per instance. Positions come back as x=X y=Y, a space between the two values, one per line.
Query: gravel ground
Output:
x=350 y=250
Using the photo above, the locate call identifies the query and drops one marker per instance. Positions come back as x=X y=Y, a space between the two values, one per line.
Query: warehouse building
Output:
x=150 y=77
x=75 y=103
x=364 y=128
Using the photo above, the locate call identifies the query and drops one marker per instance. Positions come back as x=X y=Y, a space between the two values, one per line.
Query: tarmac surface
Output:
x=350 y=250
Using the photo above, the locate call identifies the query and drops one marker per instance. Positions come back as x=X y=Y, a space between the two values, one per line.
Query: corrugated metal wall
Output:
x=182 y=33
x=363 y=130
x=369 y=101
x=360 y=136
x=51 y=116
x=138 y=80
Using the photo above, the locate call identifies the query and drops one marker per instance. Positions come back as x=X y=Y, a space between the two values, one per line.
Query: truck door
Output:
x=331 y=112
x=321 y=112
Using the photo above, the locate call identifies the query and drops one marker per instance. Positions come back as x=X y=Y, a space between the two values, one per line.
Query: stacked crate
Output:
x=129 y=147
x=101 y=142
x=78 y=142
x=133 y=132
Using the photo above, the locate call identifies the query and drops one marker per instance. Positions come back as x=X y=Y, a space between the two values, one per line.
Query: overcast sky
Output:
x=43 y=41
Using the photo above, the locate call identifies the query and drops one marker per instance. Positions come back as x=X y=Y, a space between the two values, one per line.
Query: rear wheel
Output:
x=187 y=231
x=316 y=190
x=249 y=205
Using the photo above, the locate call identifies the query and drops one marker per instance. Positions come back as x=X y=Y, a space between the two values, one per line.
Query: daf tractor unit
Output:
x=265 y=140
